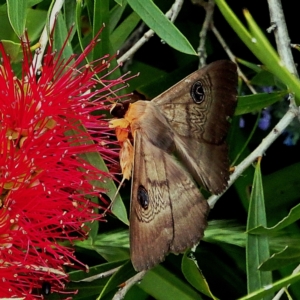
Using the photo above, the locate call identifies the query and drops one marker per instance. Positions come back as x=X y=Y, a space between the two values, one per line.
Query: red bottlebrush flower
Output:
x=46 y=123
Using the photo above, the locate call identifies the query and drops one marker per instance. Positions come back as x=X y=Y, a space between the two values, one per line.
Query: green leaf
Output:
x=162 y=284
x=115 y=15
x=287 y=256
x=89 y=287
x=118 y=207
x=271 y=288
x=100 y=18
x=254 y=103
x=31 y=3
x=257 y=246
x=120 y=2
x=160 y=24
x=80 y=275
x=256 y=68
x=120 y=276
x=12 y=49
x=291 y=218
x=194 y=276
x=221 y=231
x=121 y=33
x=35 y=23
x=284 y=182
x=264 y=78
x=112 y=246
x=17 y=11
x=70 y=15
x=95 y=159
x=60 y=35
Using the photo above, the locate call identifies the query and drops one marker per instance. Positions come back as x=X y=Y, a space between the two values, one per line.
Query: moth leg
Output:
x=126 y=162
x=126 y=152
x=126 y=158
x=121 y=123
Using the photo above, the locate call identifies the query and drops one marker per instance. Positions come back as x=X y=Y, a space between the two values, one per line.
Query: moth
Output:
x=178 y=145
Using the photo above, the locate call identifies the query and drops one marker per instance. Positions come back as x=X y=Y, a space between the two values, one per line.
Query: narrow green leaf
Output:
x=100 y=18
x=80 y=275
x=17 y=11
x=257 y=246
x=221 y=231
x=108 y=184
x=120 y=2
x=70 y=15
x=284 y=182
x=95 y=159
x=160 y=24
x=115 y=15
x=124 y=273
x=194 y=276
x=281 y=259
x=12 y=49
x=121 y=33
x=254 y=103
x=264 y=78
x=31 y=3
x=111 y=246
x=35 y=23
x=256 y=68
x=291 y=218
x=60 y=35
x=162 y=284
x=78 y=23
x=271 y=288
x=87 y=285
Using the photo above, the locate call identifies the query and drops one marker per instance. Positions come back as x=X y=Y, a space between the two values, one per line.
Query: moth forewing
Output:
x=164 y=202
x=151 y=226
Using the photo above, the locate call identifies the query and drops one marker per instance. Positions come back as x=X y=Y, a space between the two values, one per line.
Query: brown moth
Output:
x=190 y=120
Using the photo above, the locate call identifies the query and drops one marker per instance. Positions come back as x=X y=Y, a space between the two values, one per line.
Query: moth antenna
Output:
x=114 y=197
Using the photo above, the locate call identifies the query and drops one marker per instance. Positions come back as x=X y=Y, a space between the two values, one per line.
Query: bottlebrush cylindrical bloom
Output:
x=46 y=122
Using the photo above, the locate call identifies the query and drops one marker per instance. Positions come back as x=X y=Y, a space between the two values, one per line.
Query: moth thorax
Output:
x=142 y=197
x=197 y=92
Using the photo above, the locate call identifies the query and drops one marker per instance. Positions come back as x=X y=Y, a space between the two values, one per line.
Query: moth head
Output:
x=119 y=109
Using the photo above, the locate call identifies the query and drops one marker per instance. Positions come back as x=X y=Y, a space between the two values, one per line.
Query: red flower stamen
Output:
x=46 y=123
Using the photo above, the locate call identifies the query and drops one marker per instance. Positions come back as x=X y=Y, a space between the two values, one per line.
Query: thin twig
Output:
x=97 y=276
x=232 y=58
x=260 y=150
x=128 y=284
x=171 y=14
x=281 y=35
x=132 y=39
x=285 y=53
x=45 y=34
x=282 y=38
x=209 y=11
x=283 y=290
